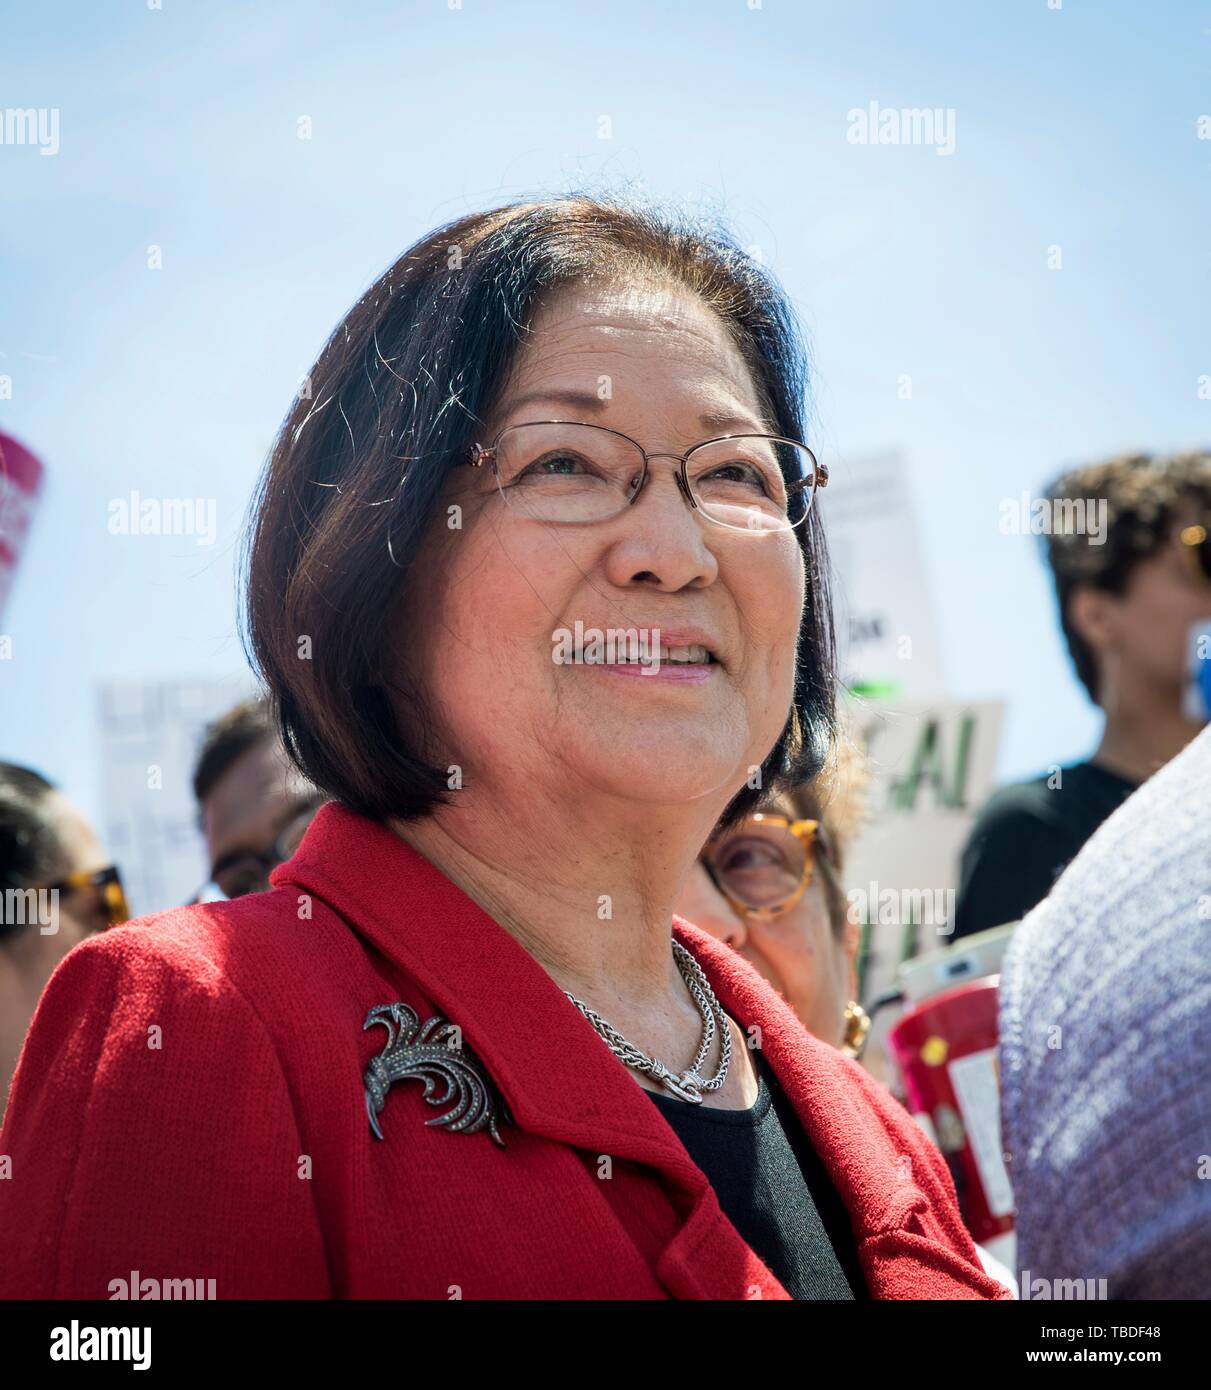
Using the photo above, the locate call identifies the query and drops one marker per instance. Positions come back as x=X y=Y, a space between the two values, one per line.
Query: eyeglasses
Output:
x=565 y=472
x=244 y=871
x=111 y=895
x=1196 y=551
x=764 y=865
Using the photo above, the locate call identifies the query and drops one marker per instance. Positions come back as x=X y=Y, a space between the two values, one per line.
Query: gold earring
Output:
x=857 y=1026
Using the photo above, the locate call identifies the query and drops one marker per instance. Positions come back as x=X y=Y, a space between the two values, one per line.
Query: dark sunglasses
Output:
x=111 y=894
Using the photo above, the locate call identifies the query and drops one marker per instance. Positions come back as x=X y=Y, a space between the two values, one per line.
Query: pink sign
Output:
x=20 y=479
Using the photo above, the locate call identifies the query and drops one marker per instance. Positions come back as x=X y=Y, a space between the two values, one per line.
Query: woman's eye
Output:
x=739 y=472
x=748 y=858
x=558 y=465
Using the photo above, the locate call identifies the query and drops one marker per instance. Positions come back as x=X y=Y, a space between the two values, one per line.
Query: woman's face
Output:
x=797 y=951
x=499 y=589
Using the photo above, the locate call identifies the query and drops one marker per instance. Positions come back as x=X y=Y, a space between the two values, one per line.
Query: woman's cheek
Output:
x=785 y=642
x=802 y=943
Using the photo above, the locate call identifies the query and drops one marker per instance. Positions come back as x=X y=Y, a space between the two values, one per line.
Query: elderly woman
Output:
x=535 y=585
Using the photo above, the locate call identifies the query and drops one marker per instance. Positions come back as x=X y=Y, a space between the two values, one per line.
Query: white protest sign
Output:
x=150 y=735
x=886 y=629
x=931 y=766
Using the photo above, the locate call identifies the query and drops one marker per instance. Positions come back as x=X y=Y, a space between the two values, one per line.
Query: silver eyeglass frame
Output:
x=480 y=455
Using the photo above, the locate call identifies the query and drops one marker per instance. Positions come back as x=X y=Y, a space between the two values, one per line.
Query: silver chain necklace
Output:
x=689 y=1085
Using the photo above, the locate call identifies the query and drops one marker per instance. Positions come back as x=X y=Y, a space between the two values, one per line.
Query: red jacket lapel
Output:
x=893 y=1182
x=560 y=1080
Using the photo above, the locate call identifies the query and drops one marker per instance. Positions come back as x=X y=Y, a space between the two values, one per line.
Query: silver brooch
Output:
x=431 y=1052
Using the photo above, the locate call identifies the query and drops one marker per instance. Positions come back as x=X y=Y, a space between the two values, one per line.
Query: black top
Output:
x=773 y=1188
x=1025 y=836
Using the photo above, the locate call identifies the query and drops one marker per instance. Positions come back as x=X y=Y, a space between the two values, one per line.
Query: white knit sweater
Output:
x=1106 y=1051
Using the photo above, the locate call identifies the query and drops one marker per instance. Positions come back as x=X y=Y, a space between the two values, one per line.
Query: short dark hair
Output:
x=412 y=371
x=1145 y=497
x=229 y=737
x=31 y=853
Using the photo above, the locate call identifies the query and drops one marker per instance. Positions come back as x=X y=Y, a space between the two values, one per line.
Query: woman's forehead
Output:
x=620 y=346
x=642 y=301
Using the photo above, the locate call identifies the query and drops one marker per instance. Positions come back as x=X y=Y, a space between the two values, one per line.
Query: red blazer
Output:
x=190 y=1104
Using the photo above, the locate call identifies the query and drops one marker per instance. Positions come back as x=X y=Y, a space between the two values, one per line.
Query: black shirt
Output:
x=1025 y=836
x=773 y=1188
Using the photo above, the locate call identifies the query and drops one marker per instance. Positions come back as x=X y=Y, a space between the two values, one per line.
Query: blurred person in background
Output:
x=1105 y=1024
x=1133 y=579
x=253 y=804
x=771 y=887
x=56 y=888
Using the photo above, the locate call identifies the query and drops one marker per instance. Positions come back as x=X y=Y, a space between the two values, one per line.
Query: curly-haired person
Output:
x=1130 y=551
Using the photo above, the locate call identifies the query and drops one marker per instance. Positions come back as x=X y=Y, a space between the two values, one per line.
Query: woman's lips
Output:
x=693 y=673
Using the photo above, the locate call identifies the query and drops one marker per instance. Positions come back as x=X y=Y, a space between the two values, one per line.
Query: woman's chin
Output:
x=721 y=736
x=671 y=771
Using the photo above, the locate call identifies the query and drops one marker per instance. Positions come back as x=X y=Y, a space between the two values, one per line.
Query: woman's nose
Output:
x=724 y=925
x=701 y=902
x=661 y=537
x=736 y=931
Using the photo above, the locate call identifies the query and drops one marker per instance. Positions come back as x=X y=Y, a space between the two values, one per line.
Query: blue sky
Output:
x=1075 y=128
